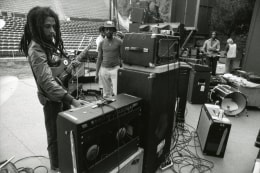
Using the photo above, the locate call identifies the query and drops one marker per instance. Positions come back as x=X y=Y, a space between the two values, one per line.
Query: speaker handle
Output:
x=137 y=49
x=73 y=152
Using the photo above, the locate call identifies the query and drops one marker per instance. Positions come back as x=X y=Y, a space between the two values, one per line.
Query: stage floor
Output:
x=23 y=132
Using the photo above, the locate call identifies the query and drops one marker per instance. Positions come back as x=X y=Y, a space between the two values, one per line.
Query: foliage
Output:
x=232 y=17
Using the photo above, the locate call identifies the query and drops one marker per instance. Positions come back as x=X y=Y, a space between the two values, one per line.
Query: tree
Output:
x=231 y=17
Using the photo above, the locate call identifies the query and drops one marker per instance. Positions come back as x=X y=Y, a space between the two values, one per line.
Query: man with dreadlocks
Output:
x=40 y=41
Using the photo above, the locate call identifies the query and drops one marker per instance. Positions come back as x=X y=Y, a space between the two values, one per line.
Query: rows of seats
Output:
x=23 y=6
x=76 y=35
x=73 y=32
x=94 y=9
x=97 y=9
x=10 y=35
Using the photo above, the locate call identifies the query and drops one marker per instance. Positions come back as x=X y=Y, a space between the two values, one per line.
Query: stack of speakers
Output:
x=146 y=74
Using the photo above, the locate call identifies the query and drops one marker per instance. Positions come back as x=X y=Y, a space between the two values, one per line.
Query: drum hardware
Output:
x=232 y=101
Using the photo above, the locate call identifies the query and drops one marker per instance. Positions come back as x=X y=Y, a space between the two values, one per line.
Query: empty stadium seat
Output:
x=73 y=31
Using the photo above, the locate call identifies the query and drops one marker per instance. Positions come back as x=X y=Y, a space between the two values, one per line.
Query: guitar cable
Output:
x=77 y=76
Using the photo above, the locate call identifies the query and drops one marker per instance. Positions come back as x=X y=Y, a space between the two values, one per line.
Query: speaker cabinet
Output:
x=213 y=132
x=97 y=139
x=158 y=91
x=184 y=73
x=134 y=27
x=148 y=50
x=137 y=15
x=132 y=164
x=198 y=87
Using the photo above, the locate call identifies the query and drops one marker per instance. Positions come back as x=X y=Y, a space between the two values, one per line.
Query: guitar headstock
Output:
x=91 y=41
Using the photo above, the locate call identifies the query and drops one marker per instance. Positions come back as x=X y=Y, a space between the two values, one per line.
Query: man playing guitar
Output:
x=41 y=43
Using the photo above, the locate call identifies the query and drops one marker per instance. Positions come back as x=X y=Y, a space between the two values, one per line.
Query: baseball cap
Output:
x=110 y=24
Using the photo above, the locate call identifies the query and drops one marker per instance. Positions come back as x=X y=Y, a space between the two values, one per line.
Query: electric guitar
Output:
x=62 y=72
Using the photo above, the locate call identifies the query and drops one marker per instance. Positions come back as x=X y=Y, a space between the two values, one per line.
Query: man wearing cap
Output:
x=108 y=61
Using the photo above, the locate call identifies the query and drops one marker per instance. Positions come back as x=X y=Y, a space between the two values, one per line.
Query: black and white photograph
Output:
x=129 y=86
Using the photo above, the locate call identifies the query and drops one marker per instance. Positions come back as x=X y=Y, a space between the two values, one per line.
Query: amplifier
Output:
x=96 y=139
x=158 y=91
x=212 y=131
x=149 y=50
x=134 y=27
x=199 y=67
x=132 y=164
x=198 y=86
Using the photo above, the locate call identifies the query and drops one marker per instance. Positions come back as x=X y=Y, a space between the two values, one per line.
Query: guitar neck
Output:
x=85 y=51
x=66 y=71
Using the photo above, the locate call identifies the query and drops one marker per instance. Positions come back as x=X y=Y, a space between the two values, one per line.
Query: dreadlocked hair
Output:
x=33 y=30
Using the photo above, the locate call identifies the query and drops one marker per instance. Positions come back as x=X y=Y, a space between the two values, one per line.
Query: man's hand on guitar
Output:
x=96 y=78
x=75 y=63
x=78 y=103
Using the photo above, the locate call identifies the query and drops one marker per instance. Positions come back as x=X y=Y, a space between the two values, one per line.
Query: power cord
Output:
x=183 y=159
x=28 y=169
x=29 y=158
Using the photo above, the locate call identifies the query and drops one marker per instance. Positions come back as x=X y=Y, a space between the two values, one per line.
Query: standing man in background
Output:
x=108 y=61
x=43 y=46
x=231 y=53
x=211 y=48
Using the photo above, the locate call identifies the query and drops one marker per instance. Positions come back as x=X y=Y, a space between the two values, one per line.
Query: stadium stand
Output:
x=97 y=9
x=80 y=21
